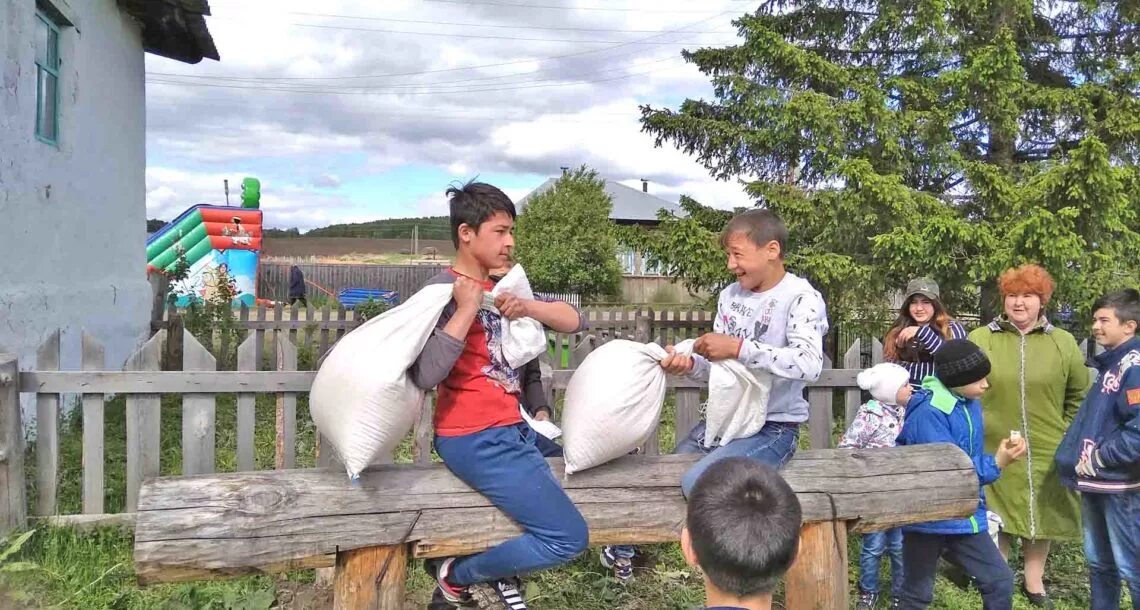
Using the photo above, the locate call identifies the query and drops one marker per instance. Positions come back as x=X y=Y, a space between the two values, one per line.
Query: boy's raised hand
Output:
x=676 y=364
x=468 y=294
x=716 y=346
x=1010 y=451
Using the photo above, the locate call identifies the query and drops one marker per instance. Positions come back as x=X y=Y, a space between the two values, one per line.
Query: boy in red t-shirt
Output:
x=479 y=432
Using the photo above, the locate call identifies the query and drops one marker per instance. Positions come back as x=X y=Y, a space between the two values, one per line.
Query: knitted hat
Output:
x=884 y=381
x=959 y=363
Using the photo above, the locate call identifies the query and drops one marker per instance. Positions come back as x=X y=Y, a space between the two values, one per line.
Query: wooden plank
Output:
x=91 y=521
x=198 y=413
x=852 y=359
x=286 y=447
x=688 y=412
x=292 y=330
x=47 y=431
x=243 y=321
x=341 y=323
x=817 y=579
x=259 y=345
x=143 y=422
x=819 y=417
x=421 y=448
x=94 y=462
x=325 y=316
x=246 y=407
x=278 y=317
x=229 y=524
x=876 y=351
x=13 y=498
x=370 y=578
x=166 y=382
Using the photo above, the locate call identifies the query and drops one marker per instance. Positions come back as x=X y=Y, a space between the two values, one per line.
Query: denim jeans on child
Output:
x=503 y=464
x=875 y=544
x=976 y=554
x=774 y=445
x=1112 y=546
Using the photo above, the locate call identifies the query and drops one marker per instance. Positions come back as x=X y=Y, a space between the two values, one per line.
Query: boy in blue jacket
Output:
x=947 y=410
x=1099 y=455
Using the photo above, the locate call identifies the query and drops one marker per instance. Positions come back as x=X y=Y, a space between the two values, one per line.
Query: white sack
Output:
x=362 y=400
x=524 y=339
x=738 y=399
x=613 y=403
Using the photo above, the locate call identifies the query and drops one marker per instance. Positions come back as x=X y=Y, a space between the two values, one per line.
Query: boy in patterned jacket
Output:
x=875 y=426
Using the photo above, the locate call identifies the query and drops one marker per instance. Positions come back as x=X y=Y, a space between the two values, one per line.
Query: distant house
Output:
x=630 y=207
x=73 y=163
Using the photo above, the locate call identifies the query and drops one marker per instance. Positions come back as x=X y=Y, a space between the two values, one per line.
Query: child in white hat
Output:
x=876 y=425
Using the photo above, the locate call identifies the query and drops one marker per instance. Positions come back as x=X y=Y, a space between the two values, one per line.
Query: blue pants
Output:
x=874 y=545
x=774 y=445
x=504 y=465
x=1112 y=546
x=976 y=554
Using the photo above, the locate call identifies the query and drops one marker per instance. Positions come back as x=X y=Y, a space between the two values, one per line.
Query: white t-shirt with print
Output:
x=783 y=330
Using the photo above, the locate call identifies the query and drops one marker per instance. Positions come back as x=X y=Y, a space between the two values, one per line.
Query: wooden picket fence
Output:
x=199 y=383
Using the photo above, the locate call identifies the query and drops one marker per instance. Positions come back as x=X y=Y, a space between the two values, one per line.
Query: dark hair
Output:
x=760 y=226
x=475 y=203
x=940 y=321
x=744 y=522
x=1126 y=303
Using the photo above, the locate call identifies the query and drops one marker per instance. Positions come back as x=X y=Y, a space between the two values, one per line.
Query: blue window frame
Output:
x=47 y=79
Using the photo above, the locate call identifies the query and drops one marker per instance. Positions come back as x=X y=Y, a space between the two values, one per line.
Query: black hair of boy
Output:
x=475 y=203
x=744 y=523
x=760 y=226
x=1125 y=302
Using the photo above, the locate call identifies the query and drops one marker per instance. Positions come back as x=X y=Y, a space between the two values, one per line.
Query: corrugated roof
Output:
x=630 y=204
x=174 y=28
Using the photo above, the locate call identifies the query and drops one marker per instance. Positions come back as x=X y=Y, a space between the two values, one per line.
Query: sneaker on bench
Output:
x=450 y=594
x=622 y=566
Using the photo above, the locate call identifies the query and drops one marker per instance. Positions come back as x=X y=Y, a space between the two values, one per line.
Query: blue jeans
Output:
x=504 y=465
x=774 y=445
x=976 y=554
x=874 y=545
x=1112 y=546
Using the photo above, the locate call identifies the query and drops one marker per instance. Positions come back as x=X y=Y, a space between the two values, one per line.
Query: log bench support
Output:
x=225 y=525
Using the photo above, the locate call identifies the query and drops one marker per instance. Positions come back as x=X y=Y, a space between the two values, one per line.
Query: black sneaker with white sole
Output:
x=503 y=594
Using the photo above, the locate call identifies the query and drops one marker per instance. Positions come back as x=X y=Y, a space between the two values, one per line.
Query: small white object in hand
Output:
x=1015 y=435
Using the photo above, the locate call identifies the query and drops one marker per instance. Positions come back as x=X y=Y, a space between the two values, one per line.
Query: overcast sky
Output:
x=370 y=108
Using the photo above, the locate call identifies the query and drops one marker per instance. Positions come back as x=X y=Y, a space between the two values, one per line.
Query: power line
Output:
x=490 y=37
x=442 y=70
x=508 y=26
x=569 y=8
x=449 y=86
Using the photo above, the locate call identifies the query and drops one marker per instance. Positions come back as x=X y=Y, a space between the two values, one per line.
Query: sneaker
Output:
x=867 y=600
x=439 y=602
x=439 y=569
x=895 y=604
x=500 y=595
x=622 y=566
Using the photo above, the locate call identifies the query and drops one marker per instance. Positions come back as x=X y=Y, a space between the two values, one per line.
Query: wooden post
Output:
x=643 y=330
x=853 y=359
x=144 y=424
x=286 y=450
x=13 y=501
x=818 y=578
x=94 y=359
x=47 y=431
x=199 y=415
x=159 y=288
x=370 y=578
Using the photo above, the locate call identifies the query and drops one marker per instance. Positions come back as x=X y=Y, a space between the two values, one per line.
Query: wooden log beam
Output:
x=370 y=578
x=817 y=579
x=211 y=526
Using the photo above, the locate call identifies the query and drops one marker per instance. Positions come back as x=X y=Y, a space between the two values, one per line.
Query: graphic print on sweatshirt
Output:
x=497 y=370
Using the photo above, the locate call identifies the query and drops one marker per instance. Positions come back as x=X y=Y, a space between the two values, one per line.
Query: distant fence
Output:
x=273 y=278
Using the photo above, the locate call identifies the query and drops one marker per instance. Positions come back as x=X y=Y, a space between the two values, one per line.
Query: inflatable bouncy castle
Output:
x=215 y=242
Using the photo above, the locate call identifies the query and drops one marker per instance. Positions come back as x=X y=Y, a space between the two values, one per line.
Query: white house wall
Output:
x=73 y=218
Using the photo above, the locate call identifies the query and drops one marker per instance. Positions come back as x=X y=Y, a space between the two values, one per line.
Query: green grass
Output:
x=89 y=570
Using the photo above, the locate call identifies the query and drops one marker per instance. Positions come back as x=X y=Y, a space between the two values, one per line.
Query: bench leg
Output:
x=818 y=578
x=370 y=578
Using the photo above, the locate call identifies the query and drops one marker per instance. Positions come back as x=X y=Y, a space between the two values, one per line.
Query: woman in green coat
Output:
x=1038 y=381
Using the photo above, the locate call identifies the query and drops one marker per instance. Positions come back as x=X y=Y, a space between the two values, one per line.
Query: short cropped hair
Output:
x=760 y=226
x=1126 y=303
x=1027 y=279
x=475 y=203
x=744 y=522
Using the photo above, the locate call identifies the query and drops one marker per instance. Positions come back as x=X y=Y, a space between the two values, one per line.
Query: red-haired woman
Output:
x=1036 y=386
x=922 y=327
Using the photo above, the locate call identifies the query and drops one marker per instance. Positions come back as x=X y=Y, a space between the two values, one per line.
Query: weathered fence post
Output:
x=13 y=502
